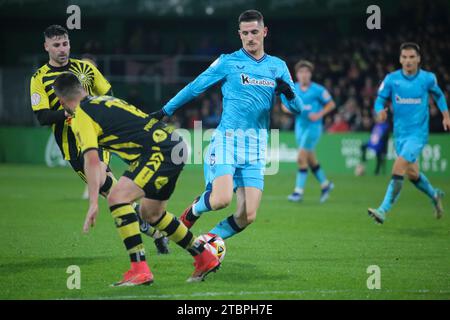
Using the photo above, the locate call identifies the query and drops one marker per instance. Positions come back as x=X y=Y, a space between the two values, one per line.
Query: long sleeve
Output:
x=48 y=117
x=384 y=93
x=438 y=95
x=215 y=73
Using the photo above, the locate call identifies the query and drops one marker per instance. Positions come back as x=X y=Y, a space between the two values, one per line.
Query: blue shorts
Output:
x=245 y=173
x=308 y=137
x=409 y=148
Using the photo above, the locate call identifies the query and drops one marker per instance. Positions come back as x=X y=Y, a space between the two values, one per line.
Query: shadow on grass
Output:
x=418 y=232
x=48 y=263
x=247 y=273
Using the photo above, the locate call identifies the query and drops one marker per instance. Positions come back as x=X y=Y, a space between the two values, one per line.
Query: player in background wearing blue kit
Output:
x=250 y=80
x=408 y=89
x=308 y=129
x=378 y=143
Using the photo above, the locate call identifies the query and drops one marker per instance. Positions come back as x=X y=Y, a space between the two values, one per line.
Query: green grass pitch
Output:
x=292 y=251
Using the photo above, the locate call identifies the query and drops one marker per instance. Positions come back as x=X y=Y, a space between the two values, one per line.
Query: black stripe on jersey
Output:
x=52 y=96
x=58 y=134
x=73 y=149
x=51 y=77
x=49 y=87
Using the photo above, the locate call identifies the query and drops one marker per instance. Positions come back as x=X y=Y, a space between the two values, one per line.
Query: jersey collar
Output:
x=251 y=57
x=307 y=88
x=63 y=68
x=409 y=77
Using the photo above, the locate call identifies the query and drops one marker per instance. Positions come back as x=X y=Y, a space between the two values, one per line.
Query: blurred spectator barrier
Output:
x=339 y=153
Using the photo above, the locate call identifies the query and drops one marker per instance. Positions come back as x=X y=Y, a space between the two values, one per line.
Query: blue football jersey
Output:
x=314 y=98
x=248 y=88
x=409 y=96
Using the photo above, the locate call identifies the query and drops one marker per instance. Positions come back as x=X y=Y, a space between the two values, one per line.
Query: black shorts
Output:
x=78 y=163
x=155 y=173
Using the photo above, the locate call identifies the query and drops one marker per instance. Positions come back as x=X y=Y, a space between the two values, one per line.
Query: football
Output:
x=215 y=244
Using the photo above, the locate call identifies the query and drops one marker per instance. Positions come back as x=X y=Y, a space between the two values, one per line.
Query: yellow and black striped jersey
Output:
x=43 y=97
x=121 y=128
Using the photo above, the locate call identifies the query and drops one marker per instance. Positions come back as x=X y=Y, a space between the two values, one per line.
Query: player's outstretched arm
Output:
x=86 y=133
x=92 y=170
x=216 y=72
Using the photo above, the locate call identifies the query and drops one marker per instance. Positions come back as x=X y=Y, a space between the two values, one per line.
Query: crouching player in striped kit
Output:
x=149 y=147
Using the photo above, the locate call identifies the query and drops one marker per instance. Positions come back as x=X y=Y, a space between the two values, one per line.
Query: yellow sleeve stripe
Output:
x=125 y=145
x=108 y=139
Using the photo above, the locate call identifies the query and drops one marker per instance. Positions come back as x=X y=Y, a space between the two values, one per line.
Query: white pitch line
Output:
x=248 y=293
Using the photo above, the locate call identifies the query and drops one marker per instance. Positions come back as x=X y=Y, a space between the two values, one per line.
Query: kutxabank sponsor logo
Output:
x=401 y=100
x=247 y=80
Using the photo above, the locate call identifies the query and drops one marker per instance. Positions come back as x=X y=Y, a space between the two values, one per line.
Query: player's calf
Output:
x=205 y=261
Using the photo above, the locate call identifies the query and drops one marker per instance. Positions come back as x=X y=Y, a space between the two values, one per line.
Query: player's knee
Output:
x=412 y=175
x=220 y=201
x=151 y=213
x=115 y=196
x=251 y=217
x=112 y=198
x=303 y=159
x=246 y=218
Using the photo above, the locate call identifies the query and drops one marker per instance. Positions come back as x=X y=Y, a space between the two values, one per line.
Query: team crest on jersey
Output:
x=246 y=80
x=212 y=159
x=85 y=74
x=273 y=71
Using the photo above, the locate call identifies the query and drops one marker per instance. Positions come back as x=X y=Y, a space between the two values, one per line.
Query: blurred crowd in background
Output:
x=351 y=68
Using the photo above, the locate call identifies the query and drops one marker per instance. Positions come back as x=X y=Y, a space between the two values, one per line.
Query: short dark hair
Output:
x=410 y=45
x=304 y=64
x=67 y=85
x=251 y=15
x=55 y=31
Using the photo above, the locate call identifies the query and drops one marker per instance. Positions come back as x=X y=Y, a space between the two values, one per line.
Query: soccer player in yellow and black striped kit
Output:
x=155 y=155
x=50 y=112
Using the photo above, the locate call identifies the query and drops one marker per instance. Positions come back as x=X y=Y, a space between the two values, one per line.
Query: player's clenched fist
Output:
x=284 y=88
